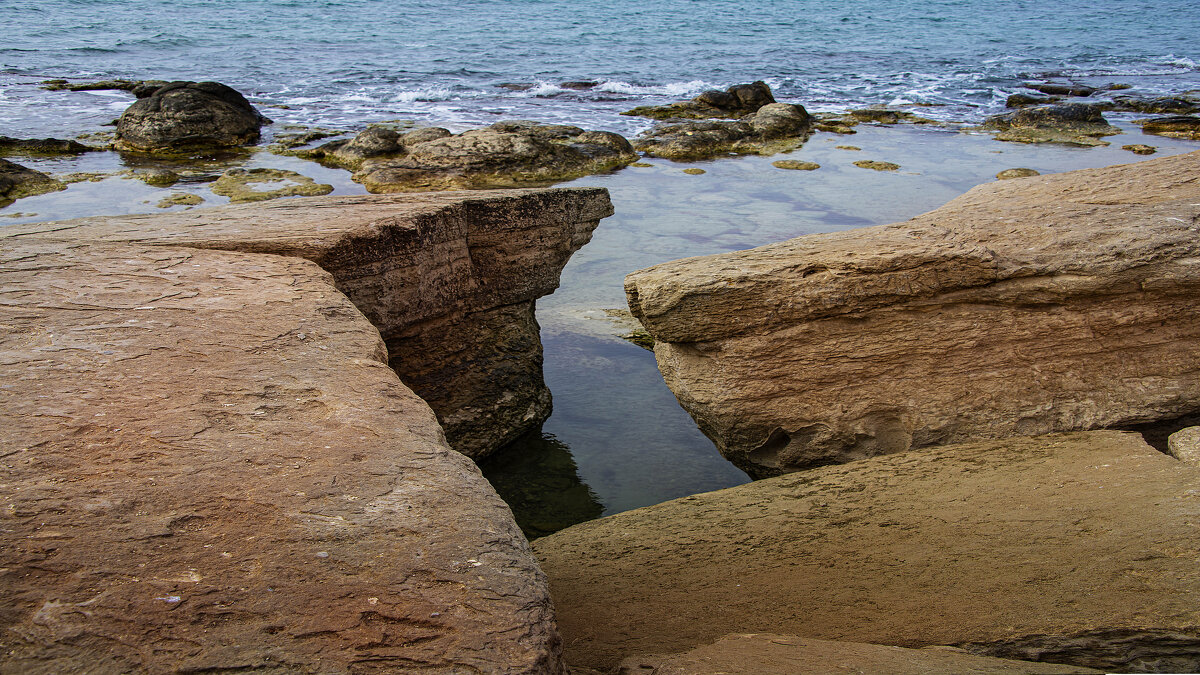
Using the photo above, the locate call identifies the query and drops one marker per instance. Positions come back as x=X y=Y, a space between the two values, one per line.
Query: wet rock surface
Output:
x=41 y=146
x=1178 y=126
x=776 y=127
x=1050 y=303
x=449 y=279
x=256 y=185
x=733 y=103
x=768 y=654
x=139 y=88
x=1073 y=548
x=17 y=181
x=209 y=467
x=1072 y=123
x=507 y=154
x=188 y=116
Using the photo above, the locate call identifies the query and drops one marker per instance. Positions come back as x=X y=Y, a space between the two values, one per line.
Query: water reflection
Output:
x=538 y=478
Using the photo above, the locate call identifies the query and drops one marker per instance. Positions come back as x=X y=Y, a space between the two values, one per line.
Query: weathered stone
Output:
x=208 y=467
x=1140 y=149
x=506 y=154
x=1178 y=126
x=18 y=181
x=180 y=199
x=777 y=127
x=139 y=88
x=876 y=165
x=1163 y=105
x=735 y=102
x=1184 y=445
x=1020 y=100
x=157 y=177
x=240 y=185
x=694 y=171
x=1009 y=174
x=1055 y=89
x=41 y=147
x=1072 y=124
x=885 y=116
x=1052 y=303
x=768 y=654
x=1074 y=548
x=449 y=279
x=795 y=165
x=188 y=116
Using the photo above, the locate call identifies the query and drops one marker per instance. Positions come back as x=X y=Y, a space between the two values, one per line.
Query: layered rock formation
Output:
x=776 y=127
x=507 y=154
x=1075 y=548
x=449 y=279
x=187 y=116
x=1073 y=124
x=1044 y=304
x=209 y=467
x=767 y=654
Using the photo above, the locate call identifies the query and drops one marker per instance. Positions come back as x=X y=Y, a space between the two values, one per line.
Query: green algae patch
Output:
x=795 y=165
x=852 y=148
x=245 y=185
x=641 y=165
x=180 y=199
x=876 y=165
x=1140 y=149
x=1008 y=174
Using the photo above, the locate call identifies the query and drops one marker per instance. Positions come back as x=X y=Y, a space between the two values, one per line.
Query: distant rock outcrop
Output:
x=188 y=116
x=1050 y=303
x=733 y=103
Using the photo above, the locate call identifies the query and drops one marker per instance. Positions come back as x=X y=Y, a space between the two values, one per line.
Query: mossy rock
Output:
x=1070 y=124
x=1140 y=149
x=237 y=184
x=642 y=165
x=795 y=165
x=180 y=199
x=694 y=172
x=157 y=177
x=876 y=165
x=733 y=103
x=1008 y=174
x=42 y=147
x=18 y=182
x=1185 y=127
x=853 y=148
x=775 y=128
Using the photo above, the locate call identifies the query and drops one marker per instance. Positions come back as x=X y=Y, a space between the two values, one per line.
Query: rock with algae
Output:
x=733 y=103
x=239 y=185
x=1070 y=124
x=17 y=181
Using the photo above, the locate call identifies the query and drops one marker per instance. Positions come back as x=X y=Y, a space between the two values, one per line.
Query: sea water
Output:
x=617 y=439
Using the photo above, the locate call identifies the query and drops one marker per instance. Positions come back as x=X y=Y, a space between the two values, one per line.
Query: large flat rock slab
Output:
x=449 y=279
x=207 y=465
x=1053 y=303
x=766 y=654
x=1073 y=548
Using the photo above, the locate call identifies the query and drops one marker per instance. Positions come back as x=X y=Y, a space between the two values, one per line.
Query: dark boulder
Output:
x=18 y=181
x=1019 y=100
x=1177 y=126
x=1072 y=124
x=1163 y=105
x=139 y=88
x=1055 y=89
x=186 y=116
x=41 y=146
x=735 y=102
x=579 y=85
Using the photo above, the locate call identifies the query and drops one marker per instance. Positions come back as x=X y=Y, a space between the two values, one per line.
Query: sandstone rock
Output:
x=1184 y=445
x=1052 y=303
x=1075 y=548
x=735 y=102
x=449 y=279
x=1072 y=124
x=1009 y=174
x=506 y=154
x=777 y=127
x=18 y=181
x=767 y=654
x=188 y=116
x=41 y=147
x=1178 y=126
x=208 y=467
x=240 y=185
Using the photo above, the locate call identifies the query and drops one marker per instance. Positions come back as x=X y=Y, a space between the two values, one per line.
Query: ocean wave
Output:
x=426 y=95
x=1180 y=61
x=691 y=88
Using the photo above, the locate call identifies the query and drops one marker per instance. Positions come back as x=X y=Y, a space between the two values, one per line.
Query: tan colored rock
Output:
x=767 y=654
x=207 y=466
x=1184 y=445
x=449 y=279
x=1051 y=303
x=1073 y=548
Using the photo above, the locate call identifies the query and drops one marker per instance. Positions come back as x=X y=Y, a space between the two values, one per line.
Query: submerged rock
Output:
x=777 y=127
x=188 y=116
x=240 y=185
x=1022 y=172
x=876 y=165
x=1022 y=307
x=1072 y=124
x=735 y=102
x=795 y=165
x=1178 y=126
x=18 y=181
x=1074 y=548
x=1140 y=149
x=506 y=154
x=41 y=147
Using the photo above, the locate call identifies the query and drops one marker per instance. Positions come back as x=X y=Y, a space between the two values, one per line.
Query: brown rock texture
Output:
x=1070 y=548
x=766 y=654
x=207 y=466
x=449 y=279
x=1051 y=303
x=186 y=116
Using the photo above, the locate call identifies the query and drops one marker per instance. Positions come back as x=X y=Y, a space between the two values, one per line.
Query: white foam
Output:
x=691 y=87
